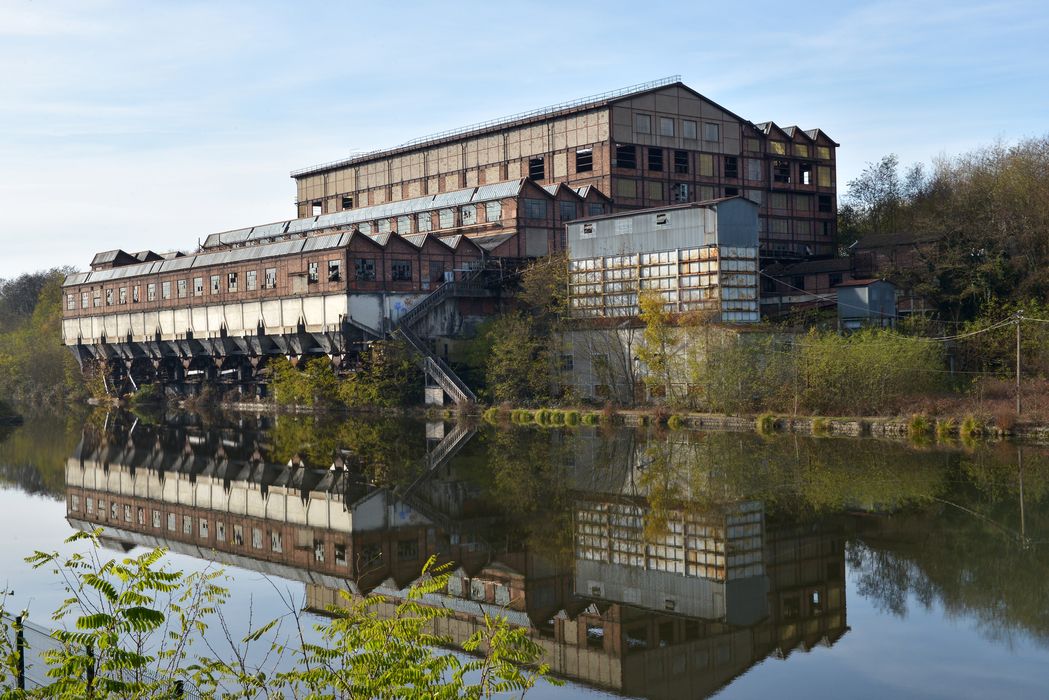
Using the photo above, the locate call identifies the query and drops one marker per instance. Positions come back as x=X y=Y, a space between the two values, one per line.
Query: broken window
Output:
x=347 y=202
x=666 y=126
x=732 y=167
x=681 y=162
x=778 y=147
x=165 y=290
x=401 y=270
x=468 y=215
x=340 y=554
x=689 y=129
x=109 y=297
x=182 y=287
x=567 y=210
x=407 y=550
x=312 y=272
x=318 y=551
x=365 y=269
x=535 y=208
x=805 y=173
x=256 y=538
x=84 y=302
x=238 y=534
x=276 y=541
x=134 y=294
x=655 y=160
x=231 y=281
x=493 y=211
x=220 y=531
x=626 y=156
x=270 y=280
x=252 y=280
x=584 y=160
x=151 y=291
x=198 y=286
x=214 y=284
x=781 y=171
x=680 y=192
x=317 y=208
x=334 y=270
x=122 y=296
x=536 y=168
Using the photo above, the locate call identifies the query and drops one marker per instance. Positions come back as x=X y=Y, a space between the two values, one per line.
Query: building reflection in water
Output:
x=673 y=609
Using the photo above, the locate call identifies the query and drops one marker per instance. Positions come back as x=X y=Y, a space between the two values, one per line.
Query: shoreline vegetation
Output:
x=935 y=373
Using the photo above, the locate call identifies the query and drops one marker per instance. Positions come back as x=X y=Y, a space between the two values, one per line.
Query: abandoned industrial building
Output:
x=409 y=240
x=644 y=146
x=717 y=593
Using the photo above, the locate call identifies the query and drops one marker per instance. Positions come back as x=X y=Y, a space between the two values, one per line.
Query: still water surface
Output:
x=650 y=564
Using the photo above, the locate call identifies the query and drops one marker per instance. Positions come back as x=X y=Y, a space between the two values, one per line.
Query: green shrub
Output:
x=820 y=426
x=542 y=416
x=919 y=426
x=521 y=415
x=571 y=417
x=492 y=415
x=675 y=422
x=766 y=423
x=971 y=427
x=591 y=419
x=945 y=428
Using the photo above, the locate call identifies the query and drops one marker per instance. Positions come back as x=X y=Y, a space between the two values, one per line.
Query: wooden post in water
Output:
x=20 y=651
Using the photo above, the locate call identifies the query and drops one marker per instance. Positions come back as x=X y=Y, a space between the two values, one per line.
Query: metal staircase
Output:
x=433 y=366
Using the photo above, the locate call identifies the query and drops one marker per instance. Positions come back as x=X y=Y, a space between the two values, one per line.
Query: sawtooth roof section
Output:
x=221 y=257
x=538 y=115
x=349 y=217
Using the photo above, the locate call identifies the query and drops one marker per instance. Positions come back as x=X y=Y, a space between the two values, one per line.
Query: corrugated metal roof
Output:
x=351 y=217
x=498 y=190
x=183 y=263
x=106 y=256
x=269 y=230
x=302 y=225
x=416 y=239
x=221 y=257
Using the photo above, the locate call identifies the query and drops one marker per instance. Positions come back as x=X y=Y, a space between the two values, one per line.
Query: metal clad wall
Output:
x=732 y=222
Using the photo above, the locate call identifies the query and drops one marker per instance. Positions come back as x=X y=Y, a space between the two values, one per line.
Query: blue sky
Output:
x=152 y=124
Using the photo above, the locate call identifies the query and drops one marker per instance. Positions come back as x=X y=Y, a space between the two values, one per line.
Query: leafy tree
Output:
x=132 y=628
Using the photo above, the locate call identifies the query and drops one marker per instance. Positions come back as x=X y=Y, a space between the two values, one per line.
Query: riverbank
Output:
x=917 y=427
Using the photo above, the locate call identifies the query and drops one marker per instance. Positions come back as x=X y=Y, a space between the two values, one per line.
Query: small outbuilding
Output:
x=866 y=302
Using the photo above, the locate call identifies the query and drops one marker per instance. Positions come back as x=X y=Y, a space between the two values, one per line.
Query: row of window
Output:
x=199 y=527
x=628 y=157
x=400 y=271
x=669 y=126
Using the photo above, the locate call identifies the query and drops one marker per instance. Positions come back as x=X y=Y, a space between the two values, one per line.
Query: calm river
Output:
x=647 y=563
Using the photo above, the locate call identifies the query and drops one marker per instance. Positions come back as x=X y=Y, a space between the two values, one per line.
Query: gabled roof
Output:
x=820 y=135
x=538 y=115
x=795 y=132
x=588 y=190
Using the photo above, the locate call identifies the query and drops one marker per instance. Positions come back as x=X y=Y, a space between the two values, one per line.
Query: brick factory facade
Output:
x=647 y=146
